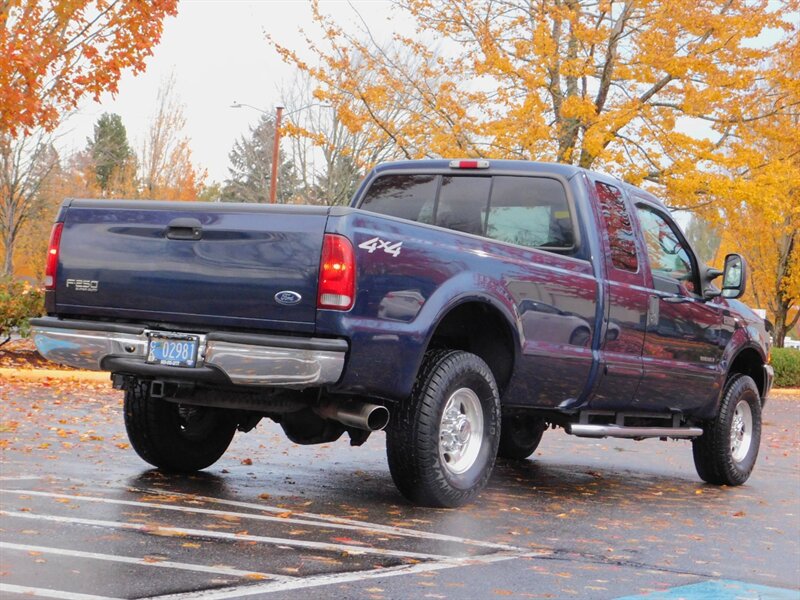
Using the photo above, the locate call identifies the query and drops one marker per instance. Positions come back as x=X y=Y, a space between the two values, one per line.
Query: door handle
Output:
x=184 y=228
x=676 y=299
x=652 y=312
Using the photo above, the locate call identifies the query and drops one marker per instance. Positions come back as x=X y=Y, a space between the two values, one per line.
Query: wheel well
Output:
x=748 y=362
x=479 y=328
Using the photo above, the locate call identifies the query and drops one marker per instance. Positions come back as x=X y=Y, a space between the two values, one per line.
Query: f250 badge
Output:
x=83 y=285
x=387 y=246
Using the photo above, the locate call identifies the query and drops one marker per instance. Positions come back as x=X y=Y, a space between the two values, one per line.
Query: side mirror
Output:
x=734 y=276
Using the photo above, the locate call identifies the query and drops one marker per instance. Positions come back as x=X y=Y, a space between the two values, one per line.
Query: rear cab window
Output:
x=405 y=196
x=529 y=211
x=462 y=203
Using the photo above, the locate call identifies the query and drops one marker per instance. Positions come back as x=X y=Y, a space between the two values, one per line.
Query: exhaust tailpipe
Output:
x=370 y=417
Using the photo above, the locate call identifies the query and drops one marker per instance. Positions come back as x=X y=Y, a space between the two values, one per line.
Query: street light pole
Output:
x=276 y=140
x=276 y=145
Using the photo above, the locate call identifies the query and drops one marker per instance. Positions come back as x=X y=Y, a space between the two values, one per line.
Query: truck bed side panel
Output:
x=401 y=299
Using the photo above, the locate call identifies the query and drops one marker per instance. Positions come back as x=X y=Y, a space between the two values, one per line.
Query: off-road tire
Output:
x=714 y=457
x=520 y=435
x=414 y=435
x=162 y=436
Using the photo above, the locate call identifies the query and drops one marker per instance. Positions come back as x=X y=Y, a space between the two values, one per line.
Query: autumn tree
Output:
x=762 y=217
x=26 y=160
x=772 y=250
x=329 y=158
x=113 y=159
x=645 y=90
x=53 y=53
x=30 y=248
x=697 y=98
x=211 y=192
x=167 y=171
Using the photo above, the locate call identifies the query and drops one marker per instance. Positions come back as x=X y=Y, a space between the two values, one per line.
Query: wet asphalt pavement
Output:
x=82 y=516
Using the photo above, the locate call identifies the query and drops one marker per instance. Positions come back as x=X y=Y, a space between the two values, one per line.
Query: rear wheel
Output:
x=175 y=437
x=442 y=443
x=520 y=436
x=726 y=452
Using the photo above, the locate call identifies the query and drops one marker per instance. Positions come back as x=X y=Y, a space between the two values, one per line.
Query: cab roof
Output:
x=499 y=167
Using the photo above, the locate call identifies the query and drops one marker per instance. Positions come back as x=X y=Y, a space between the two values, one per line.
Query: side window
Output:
x=666 y=252
x=620 y=231
x=530 y=211
x=406 y=196
x=462 y=203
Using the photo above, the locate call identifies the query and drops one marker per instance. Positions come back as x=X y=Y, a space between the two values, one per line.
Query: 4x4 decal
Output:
x=387 y=246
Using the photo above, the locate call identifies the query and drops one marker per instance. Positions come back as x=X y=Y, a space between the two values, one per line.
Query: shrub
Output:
x=786 y=362
x=19 y=302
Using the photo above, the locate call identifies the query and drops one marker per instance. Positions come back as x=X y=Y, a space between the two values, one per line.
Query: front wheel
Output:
x=442 y=442
x=175 y=437
x=726 y=452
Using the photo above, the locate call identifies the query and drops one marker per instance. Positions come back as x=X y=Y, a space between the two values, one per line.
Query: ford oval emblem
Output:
x=287 y=297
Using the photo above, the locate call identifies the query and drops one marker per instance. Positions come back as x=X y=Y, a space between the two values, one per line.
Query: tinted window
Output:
x=405 y=196
x=462 y=203
x=666 y=252
x=618 y=225
x=530 y=211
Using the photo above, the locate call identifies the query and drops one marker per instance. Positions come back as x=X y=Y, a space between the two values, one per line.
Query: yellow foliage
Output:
x=53 y=53
x=602 y=85
x=696 y=98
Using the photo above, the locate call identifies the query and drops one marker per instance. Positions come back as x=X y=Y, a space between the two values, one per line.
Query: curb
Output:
x=41 y=374
x=103 y=377
x=791 y=393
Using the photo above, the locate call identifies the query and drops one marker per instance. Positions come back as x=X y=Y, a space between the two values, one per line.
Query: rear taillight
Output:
x=51 y=267
x=337 y=274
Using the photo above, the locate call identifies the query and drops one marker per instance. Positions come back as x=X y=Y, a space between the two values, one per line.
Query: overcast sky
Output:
x=218 y=53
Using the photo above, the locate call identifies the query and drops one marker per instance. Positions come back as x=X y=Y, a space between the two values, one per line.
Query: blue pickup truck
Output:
x=465 y=306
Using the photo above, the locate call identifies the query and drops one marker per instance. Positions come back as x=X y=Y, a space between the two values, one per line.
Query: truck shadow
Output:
x=529 y=487
x=201 y=483
x=579 y=488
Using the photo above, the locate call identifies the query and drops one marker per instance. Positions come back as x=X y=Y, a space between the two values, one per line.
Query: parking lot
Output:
x=83 y=517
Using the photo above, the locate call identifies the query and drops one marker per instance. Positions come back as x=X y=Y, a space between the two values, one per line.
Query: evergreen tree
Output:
x=340 y=180
x=251 y=167
x=109 y=149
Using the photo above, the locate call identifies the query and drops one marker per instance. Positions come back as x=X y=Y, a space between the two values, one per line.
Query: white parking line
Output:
x=317 y=522
x=329 y=519
x=46 y=593
x=144 y=562
x=20 y=477
x=238 y=537
x=241 y=591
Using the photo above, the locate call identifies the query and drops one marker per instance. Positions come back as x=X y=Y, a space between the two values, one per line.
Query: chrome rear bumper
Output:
x=243 y=359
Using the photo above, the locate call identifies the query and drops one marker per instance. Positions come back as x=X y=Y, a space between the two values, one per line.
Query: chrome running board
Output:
x=618 y=431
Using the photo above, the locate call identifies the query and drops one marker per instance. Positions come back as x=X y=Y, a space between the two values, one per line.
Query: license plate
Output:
x=173 y=350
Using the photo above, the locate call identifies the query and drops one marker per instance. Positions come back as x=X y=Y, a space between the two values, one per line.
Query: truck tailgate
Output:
x=191 y=263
